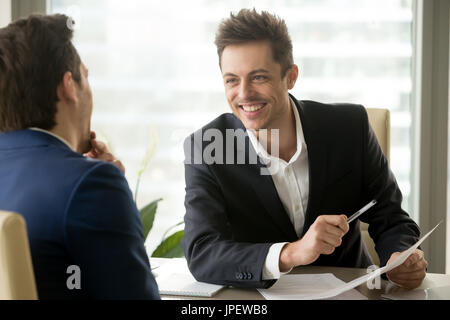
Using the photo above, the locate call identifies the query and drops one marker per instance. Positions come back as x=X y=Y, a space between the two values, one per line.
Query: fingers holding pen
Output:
x=322 y=237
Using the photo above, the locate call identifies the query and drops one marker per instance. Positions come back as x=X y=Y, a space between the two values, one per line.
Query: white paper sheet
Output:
x=174 y=278
x=302 y=286
x=286 y=291
x=182 y=284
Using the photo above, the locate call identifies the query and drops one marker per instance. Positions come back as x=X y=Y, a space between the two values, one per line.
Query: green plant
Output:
x=170 y=245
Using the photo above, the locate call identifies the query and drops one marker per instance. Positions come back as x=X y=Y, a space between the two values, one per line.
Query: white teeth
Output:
x=252 y=108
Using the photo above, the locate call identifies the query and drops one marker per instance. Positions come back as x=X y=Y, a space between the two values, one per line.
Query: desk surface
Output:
x=432 y=280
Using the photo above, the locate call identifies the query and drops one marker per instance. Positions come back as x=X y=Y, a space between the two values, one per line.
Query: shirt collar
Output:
x=301 y=144
x=54 y=135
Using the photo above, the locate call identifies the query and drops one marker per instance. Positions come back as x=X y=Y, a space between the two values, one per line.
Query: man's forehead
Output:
x=251 y=48
x=248 y=57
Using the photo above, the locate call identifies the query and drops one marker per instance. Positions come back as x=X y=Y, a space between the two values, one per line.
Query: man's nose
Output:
x=245 y=90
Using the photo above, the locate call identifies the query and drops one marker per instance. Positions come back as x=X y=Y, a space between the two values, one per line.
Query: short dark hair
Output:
x=249 y=25
x=35 y=53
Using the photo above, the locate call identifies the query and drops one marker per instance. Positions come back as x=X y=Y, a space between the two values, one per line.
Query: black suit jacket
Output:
x=234 y=214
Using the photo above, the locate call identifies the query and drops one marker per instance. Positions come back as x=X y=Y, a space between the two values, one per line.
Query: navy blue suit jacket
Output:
x=79 y=212
x=234 y=214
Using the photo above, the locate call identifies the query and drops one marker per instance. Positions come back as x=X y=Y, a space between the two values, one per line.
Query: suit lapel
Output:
x=265 y=189
x=317 y=161
x=263 y=186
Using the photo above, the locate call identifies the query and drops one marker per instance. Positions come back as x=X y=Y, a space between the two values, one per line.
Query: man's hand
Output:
x=410 y=273
x=324 y=235
x=100 y=151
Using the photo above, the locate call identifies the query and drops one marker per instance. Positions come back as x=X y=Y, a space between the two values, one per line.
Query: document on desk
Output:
x=286 y=291
x=174 y=278
x=304 y=286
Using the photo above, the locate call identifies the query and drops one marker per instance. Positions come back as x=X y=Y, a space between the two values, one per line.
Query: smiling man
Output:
x=245 y=229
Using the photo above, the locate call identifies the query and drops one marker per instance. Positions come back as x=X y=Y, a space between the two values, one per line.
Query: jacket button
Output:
x=239 y=275
x=249 y=276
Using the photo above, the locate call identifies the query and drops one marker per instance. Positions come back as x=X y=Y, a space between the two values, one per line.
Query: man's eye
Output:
x=230 y=81
x=259 y=78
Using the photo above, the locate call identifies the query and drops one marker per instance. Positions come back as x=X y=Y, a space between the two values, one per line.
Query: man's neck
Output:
x=67 y=135
x=287 y=136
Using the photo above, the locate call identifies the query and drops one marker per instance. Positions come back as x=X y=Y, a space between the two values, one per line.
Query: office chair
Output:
x=16 y=270
x=379 y=119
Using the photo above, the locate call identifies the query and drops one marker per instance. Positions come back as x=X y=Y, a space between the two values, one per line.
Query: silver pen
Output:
x=361 y=211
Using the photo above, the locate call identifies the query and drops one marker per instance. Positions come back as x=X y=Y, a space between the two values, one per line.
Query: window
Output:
x=153 y=67
x=5 y=13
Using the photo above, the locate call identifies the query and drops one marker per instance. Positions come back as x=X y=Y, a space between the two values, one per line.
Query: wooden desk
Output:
x=345 y=274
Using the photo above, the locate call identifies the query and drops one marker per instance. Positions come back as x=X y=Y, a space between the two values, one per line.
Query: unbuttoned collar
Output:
x=301 y=144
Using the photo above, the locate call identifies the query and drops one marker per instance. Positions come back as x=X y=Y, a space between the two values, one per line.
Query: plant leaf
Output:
x=148 y=216
x=170 y=247
x=172 y=227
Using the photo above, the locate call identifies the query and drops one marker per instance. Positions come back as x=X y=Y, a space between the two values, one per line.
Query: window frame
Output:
x=431 y=88
x=23 y=8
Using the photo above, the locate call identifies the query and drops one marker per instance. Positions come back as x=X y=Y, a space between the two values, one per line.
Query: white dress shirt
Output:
x=291 y=180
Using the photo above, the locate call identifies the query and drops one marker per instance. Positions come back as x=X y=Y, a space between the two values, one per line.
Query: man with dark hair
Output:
x=79 y=210
x=245 y=228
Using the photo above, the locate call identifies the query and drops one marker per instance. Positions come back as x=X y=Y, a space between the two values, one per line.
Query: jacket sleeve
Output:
x=390 y=226
x=212 y=254
x=104 y=237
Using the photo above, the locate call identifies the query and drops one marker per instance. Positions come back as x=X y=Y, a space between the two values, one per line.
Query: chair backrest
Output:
x=16 y=270
x=380 y=120
x=381 y=124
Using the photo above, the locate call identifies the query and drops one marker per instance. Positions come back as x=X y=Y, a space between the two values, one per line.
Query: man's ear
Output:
x=291 y=76
x=66 y=89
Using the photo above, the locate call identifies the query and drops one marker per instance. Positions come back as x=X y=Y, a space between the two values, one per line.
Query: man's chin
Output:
x=85 y=147
x=251 y=125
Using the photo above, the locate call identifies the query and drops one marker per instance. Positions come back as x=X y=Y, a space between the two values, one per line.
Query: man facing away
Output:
x=79 y=210
x=244 y=227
